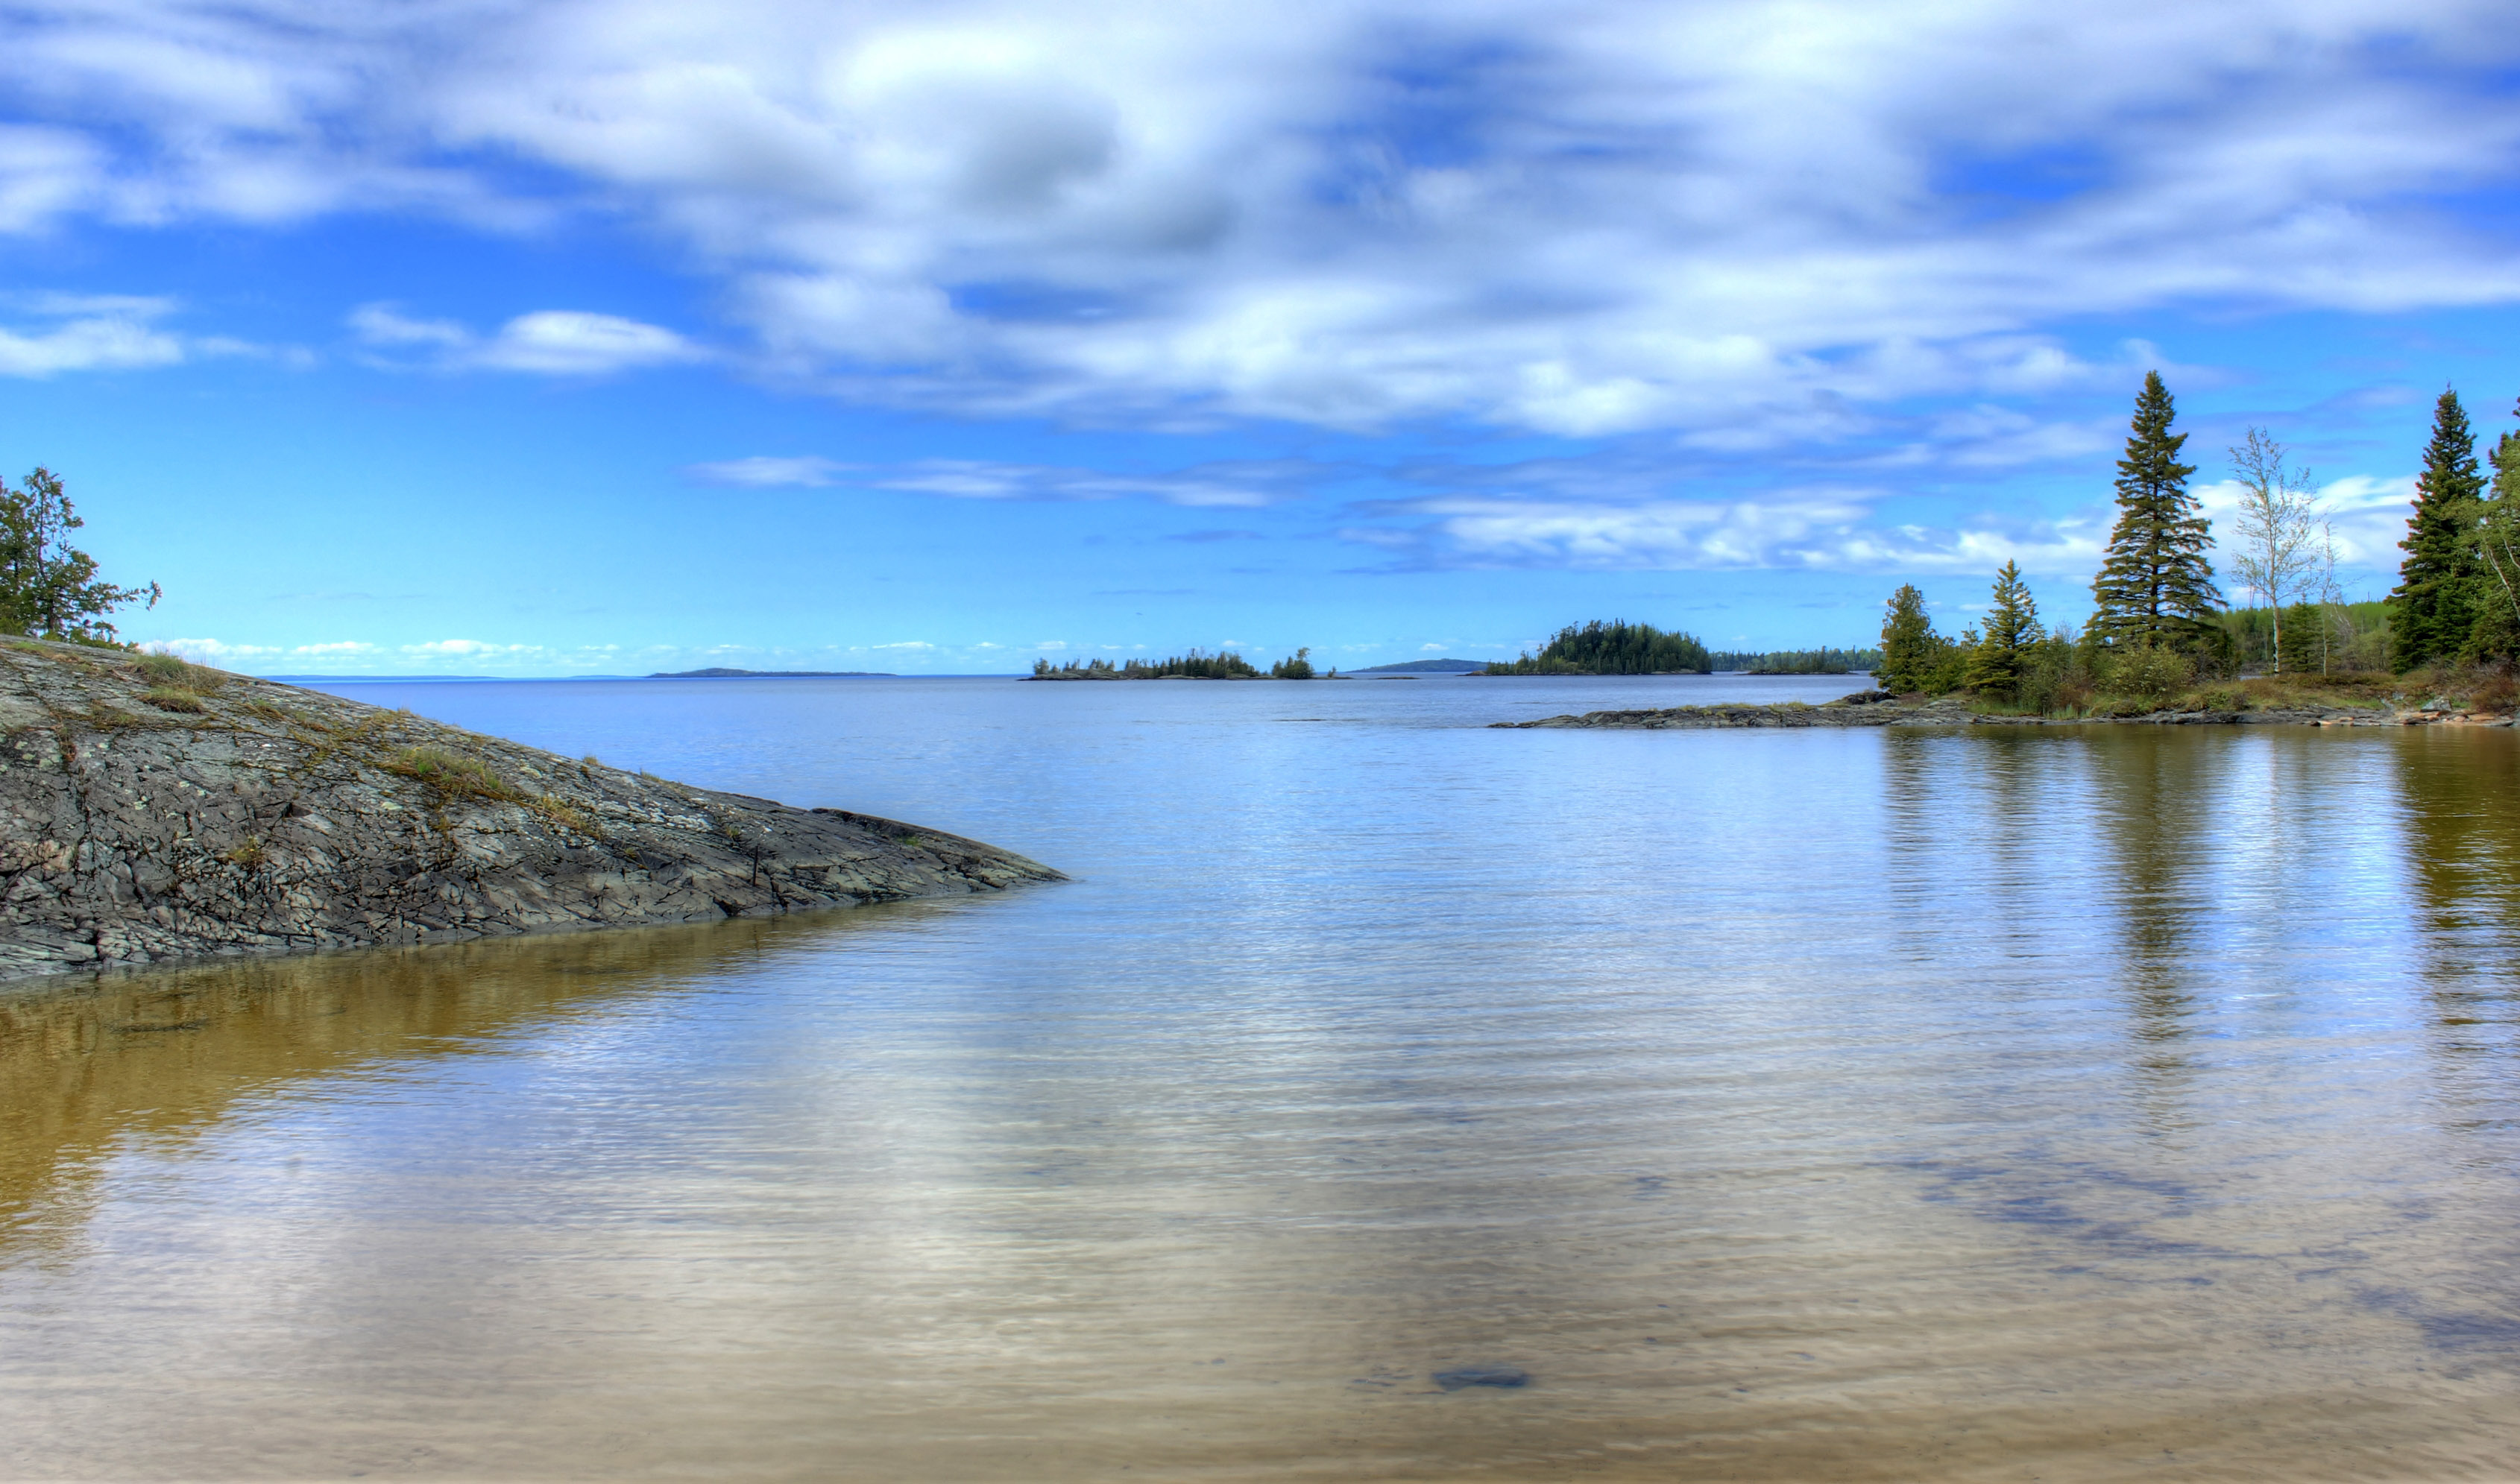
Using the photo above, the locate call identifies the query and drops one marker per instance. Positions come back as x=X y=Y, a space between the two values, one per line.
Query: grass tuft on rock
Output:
x=451 y=775
x=174 y=698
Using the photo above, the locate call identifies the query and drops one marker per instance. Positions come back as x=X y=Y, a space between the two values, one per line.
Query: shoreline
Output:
x=1874 y=708
x=153 y=811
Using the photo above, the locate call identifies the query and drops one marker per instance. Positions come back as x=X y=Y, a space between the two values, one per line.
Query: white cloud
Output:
x=96 y=334
x=209 y=651
x=1744 y=220
x=547 y=342
x=1224 y=485
x=763 y=471
x=1818 y=530
x=337 y=648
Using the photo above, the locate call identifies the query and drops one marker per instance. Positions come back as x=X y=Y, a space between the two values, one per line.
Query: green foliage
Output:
x=1225 y=665
x=2492 y=537
x=1820 y=661
x=2432 y=609
x=2003 y=655
x=1912 y=653
x=2147 y=671
x=48 y=588
x=2155 y=585
x=1300 y=668
x=2304 y=644
x=171 y=698
x=1617 y=647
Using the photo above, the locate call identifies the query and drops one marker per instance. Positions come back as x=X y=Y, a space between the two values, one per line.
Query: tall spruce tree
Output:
x=2155 y=584
x=1910 y=649
x=2004 y=652
x=2433 y=607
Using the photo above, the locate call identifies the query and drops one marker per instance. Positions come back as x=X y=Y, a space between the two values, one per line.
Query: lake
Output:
x=2062 y=1103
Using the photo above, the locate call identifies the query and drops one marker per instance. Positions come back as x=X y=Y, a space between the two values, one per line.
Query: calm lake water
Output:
x=2051 y=1103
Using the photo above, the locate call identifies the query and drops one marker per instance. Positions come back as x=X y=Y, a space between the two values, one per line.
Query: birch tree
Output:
x=2278 y=524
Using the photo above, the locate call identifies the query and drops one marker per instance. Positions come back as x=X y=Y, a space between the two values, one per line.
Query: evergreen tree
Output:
x=2155 y=584
x=2494 y=545
x=1910 y=649
x=2432 y=609
x=2010 y=645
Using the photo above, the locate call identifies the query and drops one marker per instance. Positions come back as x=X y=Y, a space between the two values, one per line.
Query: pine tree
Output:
x=2155 y=584
x=2006 y=649
x=1909 y=647
x=2432 y=609
x=2494 y=545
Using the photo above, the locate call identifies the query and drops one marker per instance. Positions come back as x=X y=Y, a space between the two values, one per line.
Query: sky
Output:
x=459 y=336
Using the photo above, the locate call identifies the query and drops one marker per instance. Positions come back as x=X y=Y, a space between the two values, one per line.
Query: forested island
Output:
x=1621 y=648
x=1225 y=665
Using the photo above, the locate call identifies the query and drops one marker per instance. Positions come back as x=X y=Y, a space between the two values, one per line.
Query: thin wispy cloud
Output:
x=1818 y=530
x=564 y=342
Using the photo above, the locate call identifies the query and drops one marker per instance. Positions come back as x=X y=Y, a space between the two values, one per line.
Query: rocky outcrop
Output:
x=1866 y=708
x=153 y=810
x=1879 y=709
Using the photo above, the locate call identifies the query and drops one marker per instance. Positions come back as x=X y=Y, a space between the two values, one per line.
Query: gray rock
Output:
x=143 y=820
x=1482 y=1376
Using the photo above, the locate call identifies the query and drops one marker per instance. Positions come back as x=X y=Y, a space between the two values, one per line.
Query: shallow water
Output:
x=2058 y=1103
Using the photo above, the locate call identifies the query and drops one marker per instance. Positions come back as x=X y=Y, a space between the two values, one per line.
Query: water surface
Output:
x=2057 y=1104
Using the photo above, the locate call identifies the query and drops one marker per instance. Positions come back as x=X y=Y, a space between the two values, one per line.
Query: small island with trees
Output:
x=1224 y=665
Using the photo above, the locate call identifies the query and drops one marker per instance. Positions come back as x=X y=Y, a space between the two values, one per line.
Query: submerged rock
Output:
x=1482 y=1376
x=153 y=811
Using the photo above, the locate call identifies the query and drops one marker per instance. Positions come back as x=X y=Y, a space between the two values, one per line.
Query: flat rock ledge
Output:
x=142 y=822
x=1876 y=708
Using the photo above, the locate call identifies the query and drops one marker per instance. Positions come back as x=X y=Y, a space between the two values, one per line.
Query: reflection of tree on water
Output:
x=2462 y=793
x=2158 y=791
x=166 y=1057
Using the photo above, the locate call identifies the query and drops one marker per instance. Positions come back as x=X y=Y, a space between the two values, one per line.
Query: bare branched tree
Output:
x=2278 y=522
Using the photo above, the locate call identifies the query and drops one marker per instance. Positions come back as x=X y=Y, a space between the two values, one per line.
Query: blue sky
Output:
x=611 y=337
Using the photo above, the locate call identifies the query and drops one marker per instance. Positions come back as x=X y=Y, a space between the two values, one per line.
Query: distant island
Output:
x=1620 y=648
x=719 y=672
x=1427 y=667
x=1226 y=665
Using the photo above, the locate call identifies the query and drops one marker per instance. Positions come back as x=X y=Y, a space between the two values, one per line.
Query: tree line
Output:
x=2159 y=620
x=1225 y=664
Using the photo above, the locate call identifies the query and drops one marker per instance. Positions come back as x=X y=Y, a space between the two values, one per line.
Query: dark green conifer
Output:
x=1910 y=649
x=2009 y=644
x=2155 y=584
x=2432 y=609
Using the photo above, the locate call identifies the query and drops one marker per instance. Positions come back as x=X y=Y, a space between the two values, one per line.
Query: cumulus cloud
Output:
x=209 y=651
x=547 y=342
x=1747 y=221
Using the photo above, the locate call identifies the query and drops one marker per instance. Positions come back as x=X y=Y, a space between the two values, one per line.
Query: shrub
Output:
x=2147 y=671
x=2496 y=692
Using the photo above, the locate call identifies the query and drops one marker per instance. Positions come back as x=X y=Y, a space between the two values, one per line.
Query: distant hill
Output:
x=716 y=672
x=1426 y=667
